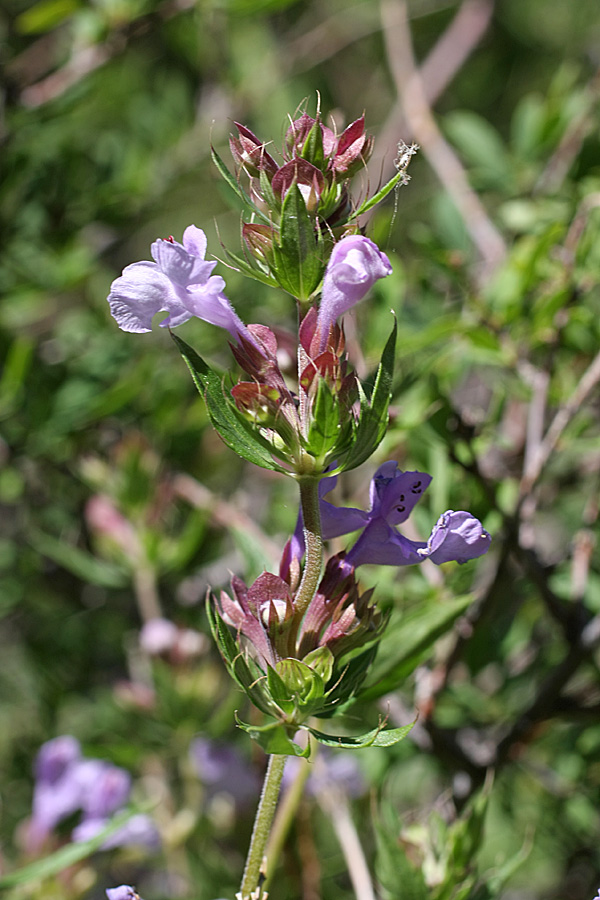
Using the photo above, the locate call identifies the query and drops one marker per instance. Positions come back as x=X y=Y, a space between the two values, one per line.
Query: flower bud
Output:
x=250 y=154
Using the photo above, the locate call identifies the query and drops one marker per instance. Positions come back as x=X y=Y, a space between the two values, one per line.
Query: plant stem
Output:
x=286 y=813
x=313 y=565
x=262 y=825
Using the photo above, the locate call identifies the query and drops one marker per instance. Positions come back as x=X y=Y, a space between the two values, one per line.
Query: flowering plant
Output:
x=299 y=642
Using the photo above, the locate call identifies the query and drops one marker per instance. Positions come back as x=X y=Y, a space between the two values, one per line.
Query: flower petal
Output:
x=354 y=266
x=382 y=545
x=180 y=266
x=456 y=536
x=139 y=293
x=394 y=493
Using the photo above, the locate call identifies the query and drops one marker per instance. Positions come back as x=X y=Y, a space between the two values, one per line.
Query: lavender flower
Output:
x=354 y=266
x=123 y=892
x=67 y=783
x=179 y=282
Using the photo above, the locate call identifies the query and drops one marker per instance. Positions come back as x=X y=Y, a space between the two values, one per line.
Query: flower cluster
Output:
x=67 y=783
x=300 y=643
x=315 y=159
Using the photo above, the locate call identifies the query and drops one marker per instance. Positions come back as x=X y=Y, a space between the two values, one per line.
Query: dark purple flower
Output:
x=354 y=266
x=457 y=536
x=178 y=282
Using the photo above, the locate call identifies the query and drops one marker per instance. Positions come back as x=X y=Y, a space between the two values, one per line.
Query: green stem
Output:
x=262 y=826
x=313 y=565
x=286 y=814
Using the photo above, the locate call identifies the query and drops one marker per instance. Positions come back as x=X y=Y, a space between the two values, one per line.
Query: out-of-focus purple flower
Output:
x=123 y=892
x=158 y=636
x=354 y=266
x=105 y=789
x=329 y=769
x=457 y=535
x=55 y=757
x=178 y=282
x=67 y=783
x=138 y=831
x=223 y=770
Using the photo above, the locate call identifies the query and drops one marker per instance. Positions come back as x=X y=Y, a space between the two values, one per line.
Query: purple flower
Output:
x=55 y=757
x=456 y=536
x=354 y=266
x=124 y=892
x=178 y=282
x=67 y=783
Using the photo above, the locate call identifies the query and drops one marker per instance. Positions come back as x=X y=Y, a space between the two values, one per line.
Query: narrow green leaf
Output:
x=406 y=642
x=273 y=738
x=237 y=433
x=379 y=196
x=251 y=271
x=399 y=878
x=378 y=737
x=374 y=413
x=236 y=189
x=65 y=857
x=79 y=562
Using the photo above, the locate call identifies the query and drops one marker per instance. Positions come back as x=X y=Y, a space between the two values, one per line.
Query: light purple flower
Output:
x=354 y=266
x=178 y=282
x=105 y=789
x=67 y=783
x=55 y=757
x=158 y=636
x=124 y=892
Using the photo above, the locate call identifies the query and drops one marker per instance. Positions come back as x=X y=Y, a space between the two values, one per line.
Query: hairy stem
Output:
x=288 y=809
x=262 y=826
x=313 y=565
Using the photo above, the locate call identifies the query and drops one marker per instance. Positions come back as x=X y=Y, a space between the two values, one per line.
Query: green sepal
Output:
x=324 y=430
x=321 y=661
x=304 y=685
x=379 y=196
x=243 y=198
x=353 y=672
x=232 y=426
x=373 y=418
x=273 y=738
x=313 y=146
x=251 y=271
x=271 y=199
x=297 y=262
x=378 y=737
x=247 y=674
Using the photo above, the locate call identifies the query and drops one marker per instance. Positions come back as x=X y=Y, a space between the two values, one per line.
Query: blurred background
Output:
x=118 y=504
